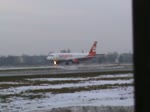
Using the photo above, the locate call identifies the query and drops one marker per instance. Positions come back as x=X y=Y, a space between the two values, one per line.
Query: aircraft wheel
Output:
x=69 y=62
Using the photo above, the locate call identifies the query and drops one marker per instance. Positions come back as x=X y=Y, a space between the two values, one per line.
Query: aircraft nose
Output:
x=48 y=58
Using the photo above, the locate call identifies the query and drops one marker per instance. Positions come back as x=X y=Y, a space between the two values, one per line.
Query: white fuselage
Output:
x=72 y=57
x=66 y=56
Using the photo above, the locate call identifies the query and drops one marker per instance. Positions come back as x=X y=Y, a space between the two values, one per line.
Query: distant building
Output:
x=66 y=51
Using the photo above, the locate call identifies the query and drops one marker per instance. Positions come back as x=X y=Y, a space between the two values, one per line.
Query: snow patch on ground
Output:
x=109 y=97
x=17 y=90
x=120 y=96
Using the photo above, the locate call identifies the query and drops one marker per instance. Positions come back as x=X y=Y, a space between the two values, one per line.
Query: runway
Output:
x=48 y=70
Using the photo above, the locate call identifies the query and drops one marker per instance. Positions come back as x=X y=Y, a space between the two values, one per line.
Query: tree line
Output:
x=26 y=60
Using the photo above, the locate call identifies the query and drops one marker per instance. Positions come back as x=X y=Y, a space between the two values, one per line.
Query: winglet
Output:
x=92 y=51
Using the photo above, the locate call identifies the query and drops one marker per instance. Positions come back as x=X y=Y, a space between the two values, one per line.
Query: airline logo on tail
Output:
x=93 y=49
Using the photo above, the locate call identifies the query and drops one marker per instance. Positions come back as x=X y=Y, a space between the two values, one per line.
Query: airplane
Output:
x=69 y=58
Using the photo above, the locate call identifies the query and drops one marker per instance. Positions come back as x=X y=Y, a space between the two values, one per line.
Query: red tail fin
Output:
x=93 y=49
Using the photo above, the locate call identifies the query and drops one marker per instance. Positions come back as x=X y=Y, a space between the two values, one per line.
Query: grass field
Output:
x=23 y=94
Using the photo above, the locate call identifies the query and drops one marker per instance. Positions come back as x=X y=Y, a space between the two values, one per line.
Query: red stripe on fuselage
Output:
x=65 y=55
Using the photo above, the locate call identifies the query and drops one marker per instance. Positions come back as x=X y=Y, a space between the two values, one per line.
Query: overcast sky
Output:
x=37 y=27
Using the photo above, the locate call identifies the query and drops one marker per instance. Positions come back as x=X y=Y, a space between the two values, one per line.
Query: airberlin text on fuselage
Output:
x=65 y=55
